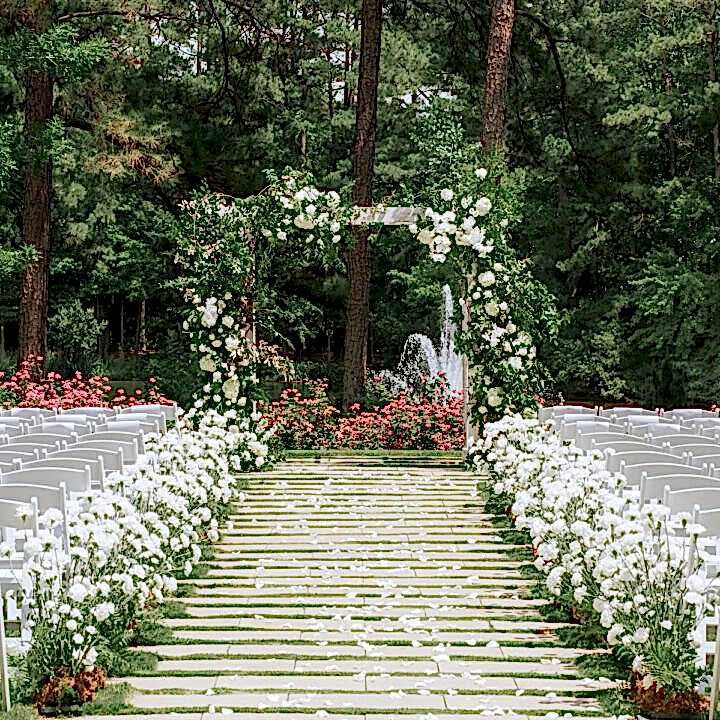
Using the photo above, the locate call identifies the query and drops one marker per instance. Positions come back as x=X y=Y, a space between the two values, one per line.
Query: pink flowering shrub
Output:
x=29 y=386
x=304 y=422
x=430 y=419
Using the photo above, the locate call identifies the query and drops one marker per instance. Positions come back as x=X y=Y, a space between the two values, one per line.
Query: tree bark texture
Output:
x=358 y=257
x=495 y=100
x=37 y=192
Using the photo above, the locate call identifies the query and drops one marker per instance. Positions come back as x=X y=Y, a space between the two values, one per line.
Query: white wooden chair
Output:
x=96 y=467
x=585 y=439
x=705 y=498
x=568 y=425
x=128 y=449
x=665 y=430
x=11 y=431
x=100 y=414
x=653 y=488
x=111 y=459
x=67 y=430
x=686 y=439
x=635 y=457
x=689 y=413
x=76 y=423
x=124 y=436
x=157 y=418
x=10 y=457
x=41 y=497
x=134 y=426
x=31 y=447
x=51 y=440
x=623 y=412
x=546 y=413
x=16 y=422
x=695 y=450
x=75 y=481
x=623 y=446
x=171 y=411
x=33 y=414
x=634 y=473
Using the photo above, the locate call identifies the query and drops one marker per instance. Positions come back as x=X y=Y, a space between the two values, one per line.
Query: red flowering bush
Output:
x=304 y=422
x=30 y=387
x=405 y=423
x=427 y=419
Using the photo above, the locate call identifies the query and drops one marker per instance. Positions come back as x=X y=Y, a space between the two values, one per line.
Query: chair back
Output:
x=52 y=440
x=636 y=457
x=706 y=498
x=111 y=459
x=634 y=473
x=653 y=488
x=75 y=481
x=97 y=470
x=170 y=411
x=128 y=449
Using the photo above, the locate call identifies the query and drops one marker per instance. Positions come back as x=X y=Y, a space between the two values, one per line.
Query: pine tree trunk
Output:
x=712 y=77
x=37 y=193
x=495 y=100
x=358 y=258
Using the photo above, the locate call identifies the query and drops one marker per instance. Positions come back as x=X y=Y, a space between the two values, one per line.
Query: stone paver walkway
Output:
x=348 y=588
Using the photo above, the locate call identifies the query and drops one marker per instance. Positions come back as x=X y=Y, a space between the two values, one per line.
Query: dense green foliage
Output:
x=613 y=107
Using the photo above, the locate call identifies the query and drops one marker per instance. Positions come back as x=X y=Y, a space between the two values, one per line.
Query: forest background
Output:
x=612 y=128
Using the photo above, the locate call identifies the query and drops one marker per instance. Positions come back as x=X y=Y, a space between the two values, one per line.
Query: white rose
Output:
x=494 y=397
x=231 y=388
x=447 y=194
x=207 y=364
x=515 y=363
x=492 y=309
x=487 y=279
x=481 y=173
x=483 y=206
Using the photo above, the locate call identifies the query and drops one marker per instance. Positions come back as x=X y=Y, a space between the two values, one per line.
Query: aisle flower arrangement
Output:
x=127 y=547
x=635 y=571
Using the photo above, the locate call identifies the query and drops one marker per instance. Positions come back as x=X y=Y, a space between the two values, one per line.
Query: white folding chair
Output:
x=96 y=413
x=67 y=430
x=653 y=488
x=127 y=436
x=42 y=497
x=635 y=457
x=710 y=519
x=569 y=425
x=111 y=459
x=157 y=418
x=690 y=414
x=585 y=439
x=32 y=414
x=705 y=498
x=687 y=439
x=664 y=430
x=146 y=426
x=556 y=411
x=75 y=481
x=12 y=431
x=694 y=450
x=10 y=457
x=96 y=467
x=620 y=446
x=624 y=412
x=128 y=449
x=634 y=473
x=16 y=422
x=170 y=411
x=51 y=440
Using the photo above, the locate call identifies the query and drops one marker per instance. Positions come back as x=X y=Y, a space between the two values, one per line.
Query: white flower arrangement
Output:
x=635 y=570
x=129 y=543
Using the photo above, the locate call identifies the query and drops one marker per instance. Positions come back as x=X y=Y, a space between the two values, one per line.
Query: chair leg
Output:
x=716 y=670
x=3 y=658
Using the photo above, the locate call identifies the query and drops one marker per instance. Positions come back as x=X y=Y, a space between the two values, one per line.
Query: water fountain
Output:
x=420 y=359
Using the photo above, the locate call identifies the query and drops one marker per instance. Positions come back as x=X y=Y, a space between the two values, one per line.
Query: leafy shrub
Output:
x=75 y=332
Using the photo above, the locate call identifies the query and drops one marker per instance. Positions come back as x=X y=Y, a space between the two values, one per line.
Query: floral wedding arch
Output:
x=224 y=245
